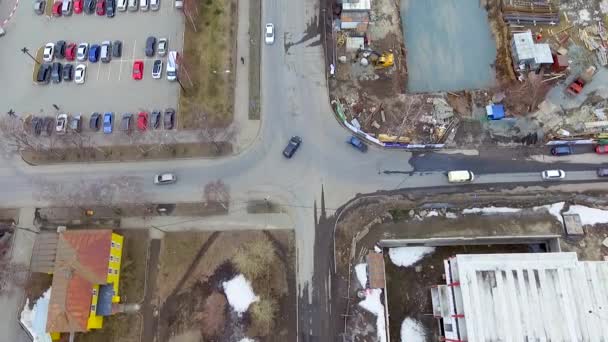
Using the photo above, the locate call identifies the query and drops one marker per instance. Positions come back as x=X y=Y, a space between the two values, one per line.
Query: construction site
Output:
x=468 y=73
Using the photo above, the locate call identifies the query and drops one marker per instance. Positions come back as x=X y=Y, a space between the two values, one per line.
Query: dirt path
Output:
x=149 y=306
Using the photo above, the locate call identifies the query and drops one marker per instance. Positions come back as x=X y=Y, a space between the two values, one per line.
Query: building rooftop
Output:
x=360 y=5
x=523 y=297
x=527 y=50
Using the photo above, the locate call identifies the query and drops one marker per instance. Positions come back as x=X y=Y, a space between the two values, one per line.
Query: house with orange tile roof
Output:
x=86 y=275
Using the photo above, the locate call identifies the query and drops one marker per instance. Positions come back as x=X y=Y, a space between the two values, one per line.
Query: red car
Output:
x=101 y=7
x=601 y=149
x=142 y=121
x=70 y=52
x=57 y=8
x=138 y=70
x=78 y=6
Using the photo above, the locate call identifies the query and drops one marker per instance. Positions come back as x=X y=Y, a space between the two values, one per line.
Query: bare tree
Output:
x=16 y=138
x=219 y=135
x=217 y=192
x=412 y=108
x=11 y=275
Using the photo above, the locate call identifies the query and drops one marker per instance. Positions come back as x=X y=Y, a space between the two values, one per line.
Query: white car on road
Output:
x=553 y=174
x=81 y=52
x=165 y=178
x=80 y=74
x=269 y=34
x=49 y=52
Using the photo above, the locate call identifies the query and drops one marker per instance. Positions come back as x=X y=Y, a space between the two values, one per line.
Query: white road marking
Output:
x=120 y=70
x=109 y=70
x=98 y=70
x=134 y=46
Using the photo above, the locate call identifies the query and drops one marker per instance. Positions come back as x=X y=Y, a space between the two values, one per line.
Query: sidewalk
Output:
x=248 y=129
x=21 y=253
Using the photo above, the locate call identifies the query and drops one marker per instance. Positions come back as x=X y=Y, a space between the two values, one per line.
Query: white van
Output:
x=66 y=7
x=172 y=65
x=144 y=5
x=121 y=5
x=179 y=4
x=460 y=176
x=133 y=5
x=155 y=5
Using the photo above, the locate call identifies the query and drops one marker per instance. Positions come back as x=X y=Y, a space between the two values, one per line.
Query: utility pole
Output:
x=27 y=52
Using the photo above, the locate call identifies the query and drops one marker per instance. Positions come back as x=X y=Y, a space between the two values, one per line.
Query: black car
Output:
x=39 y=6
x=48 y=125
x=117 y=49
x=292 y=146
x=37 y=125
x=169 y=119
x=44 y=74
x=89 y=6
x=68 y=72
x=60 y=49
x=150 y=46
x=155 y=118
x=56 y=72
x=94 y=121
x=602 y=172
x=110 y=8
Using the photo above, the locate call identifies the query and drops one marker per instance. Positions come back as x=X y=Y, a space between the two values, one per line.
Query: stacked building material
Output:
x=522 y=12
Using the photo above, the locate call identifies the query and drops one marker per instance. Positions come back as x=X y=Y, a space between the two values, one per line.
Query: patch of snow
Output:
x=246 y=339
x=373 y=304
x=584 y=15
x=553 y=209
x=377 y=249
x=604 y=6
x=491 y=210
x=34 y=320
x=407 y=256
x=412 y=331
x=589 y=216
x=432 y=213
x=239 y=293
x=361 y=271
x=451 y=215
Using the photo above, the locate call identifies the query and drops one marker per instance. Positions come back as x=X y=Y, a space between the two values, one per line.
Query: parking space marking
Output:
x=109 y=70
x=120 y=69
x=134 y=46
x=98 y=70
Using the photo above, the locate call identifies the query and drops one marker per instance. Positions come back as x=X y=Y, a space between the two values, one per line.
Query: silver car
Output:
x=162 y=46
x=165 y=178
x=81 y=51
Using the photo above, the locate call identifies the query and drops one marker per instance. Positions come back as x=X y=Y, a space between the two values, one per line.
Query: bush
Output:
x=255 y=258
x=263 y=314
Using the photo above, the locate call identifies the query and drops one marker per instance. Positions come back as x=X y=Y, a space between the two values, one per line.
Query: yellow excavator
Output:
x=384 y=60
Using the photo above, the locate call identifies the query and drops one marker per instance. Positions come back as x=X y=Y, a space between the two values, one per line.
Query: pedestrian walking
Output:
x=242 y=60
x=55 y=106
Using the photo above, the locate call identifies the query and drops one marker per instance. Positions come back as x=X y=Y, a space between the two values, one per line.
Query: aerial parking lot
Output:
x=108 y=87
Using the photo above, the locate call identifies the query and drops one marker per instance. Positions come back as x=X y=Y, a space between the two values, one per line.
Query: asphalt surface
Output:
x=294 y=102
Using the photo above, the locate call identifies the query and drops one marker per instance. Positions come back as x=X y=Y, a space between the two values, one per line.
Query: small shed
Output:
x=573 y=225
x=560 y=63
x=357 y=5
x=355 y=43
x=528 y=54
x=354 y=21
x=375 y=269
x=495 y=111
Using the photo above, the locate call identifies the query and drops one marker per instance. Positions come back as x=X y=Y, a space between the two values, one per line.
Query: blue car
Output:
x=94 y=53
x=107 y=122
x=357 y=143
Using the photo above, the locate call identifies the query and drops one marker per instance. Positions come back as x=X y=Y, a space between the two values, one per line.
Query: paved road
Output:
x=294 y=101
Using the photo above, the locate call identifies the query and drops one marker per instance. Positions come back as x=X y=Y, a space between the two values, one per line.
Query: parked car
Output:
x=179 y=4
x=78 y=6
x=62 y=123
x=121 y=5
x=106 y=51
x=142 y=121
x=94 y=53
x=70 y=52
x=155 y=5
x=138 y=70
x=94 y=121
x=76 y=123
x=155 y=118
x=553 y=174
x=602 y=172
x=36 y=125
x=601 y=149
x=56 y=72
x=49 y=52
x=89 y=6
x=165 y=178
x=133 y=5
x=108 y=121
x=561 y=150
x=66 y=7
x=48 y=126
x=150 y=45
x=57 y=8
x=126 y=122
x=157 y=69
x=68 y=72
x=100 y=8
x=80 y=74
x=110 y=8
x=59 y=50
x=44 y=74
x=169 y=119
x=269 y=33
x=117 y=49
x=144 y=5
x=39 y=6
x=292 y=146
x=162 y=47
x=357 y=143
x=81 y=52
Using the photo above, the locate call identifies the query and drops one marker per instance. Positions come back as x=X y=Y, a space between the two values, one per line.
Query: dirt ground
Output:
x=208 y=66
x=126 y=153
x=255 y=56
x=192 y=268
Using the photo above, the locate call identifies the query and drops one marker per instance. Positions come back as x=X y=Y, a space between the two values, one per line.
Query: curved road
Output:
x=294 y=102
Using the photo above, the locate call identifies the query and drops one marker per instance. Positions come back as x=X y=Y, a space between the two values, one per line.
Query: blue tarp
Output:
x=496 y=112
x=104 y=300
